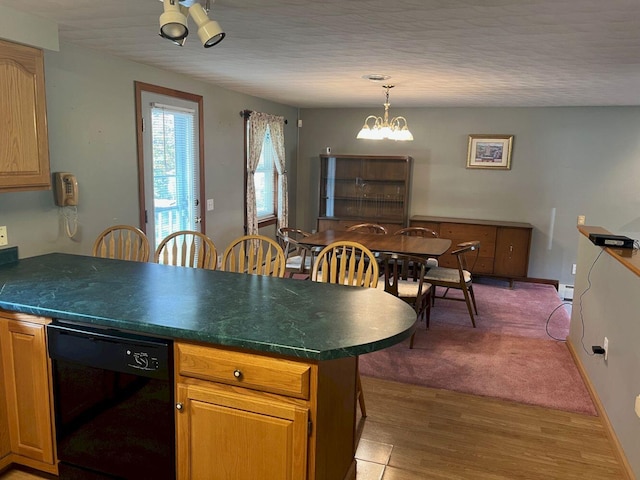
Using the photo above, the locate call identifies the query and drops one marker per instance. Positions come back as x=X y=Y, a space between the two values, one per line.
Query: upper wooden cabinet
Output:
x=363 y=188
x=24 y=143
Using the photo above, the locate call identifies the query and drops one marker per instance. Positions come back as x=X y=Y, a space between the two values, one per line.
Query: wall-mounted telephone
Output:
x=65 y=189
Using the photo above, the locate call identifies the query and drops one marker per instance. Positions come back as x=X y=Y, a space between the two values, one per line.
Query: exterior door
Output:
x=171 y=164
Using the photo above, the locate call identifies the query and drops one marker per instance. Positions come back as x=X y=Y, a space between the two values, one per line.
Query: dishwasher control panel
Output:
x=109 y=349
x=142 y=360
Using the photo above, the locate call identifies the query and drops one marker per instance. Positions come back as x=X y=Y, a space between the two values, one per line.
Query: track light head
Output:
x=173 y=22
x=209 y=31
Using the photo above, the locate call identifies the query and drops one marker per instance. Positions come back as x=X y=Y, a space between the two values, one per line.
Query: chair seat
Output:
x=407 y=288
x=294 y=262
x=449 y=275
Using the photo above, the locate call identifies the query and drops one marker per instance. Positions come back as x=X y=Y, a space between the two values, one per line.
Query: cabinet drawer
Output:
x=244 y=369
x=459 y=233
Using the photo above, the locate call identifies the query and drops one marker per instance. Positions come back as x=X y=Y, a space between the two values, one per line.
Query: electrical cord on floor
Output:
x=546 y=327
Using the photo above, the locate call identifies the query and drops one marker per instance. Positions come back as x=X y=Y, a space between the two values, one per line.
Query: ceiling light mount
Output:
x=376 y=77
x=394 y=129
x=173 y=22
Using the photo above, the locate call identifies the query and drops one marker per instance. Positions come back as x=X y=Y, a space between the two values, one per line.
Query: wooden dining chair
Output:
x=187 y=248
x=255 y=255
x=417 y=232
x=298 y=258
x=346 y=263
x=368 y=228
x=456 y=278
x=408 y=284
x=352 y=264
x=123 y=242
x=420 y=232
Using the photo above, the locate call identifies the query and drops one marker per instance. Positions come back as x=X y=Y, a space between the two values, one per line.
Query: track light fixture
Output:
x=173 y=22
x=394 y=129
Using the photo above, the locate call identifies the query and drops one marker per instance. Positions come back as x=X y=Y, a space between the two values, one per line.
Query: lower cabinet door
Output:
x=26 y=383
x=226 y=435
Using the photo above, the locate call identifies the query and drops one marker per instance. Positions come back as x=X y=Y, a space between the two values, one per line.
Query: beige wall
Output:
x=606 y=304
x=578 y=161
x=90 y=102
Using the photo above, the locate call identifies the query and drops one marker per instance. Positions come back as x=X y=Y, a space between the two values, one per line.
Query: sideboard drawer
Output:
x=246 y=370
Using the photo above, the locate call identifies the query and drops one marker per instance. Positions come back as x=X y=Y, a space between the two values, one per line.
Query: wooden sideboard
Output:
x=504 y=246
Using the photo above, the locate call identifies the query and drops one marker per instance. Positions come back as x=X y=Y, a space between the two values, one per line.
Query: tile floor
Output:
x=371 y=459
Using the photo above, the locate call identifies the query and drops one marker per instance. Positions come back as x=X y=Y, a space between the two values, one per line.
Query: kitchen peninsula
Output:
x=275 y=348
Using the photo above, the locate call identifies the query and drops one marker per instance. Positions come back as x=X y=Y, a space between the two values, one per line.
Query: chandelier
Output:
x=394 y=129
x=173 y=22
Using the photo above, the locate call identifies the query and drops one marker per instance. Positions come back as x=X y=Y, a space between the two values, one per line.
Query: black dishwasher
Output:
x=113 y=398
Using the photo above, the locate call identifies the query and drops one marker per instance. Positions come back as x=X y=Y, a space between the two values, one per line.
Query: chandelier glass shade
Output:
x=382 y=127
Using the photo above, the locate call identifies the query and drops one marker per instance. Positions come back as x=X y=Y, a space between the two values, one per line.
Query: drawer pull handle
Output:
x=237 y=373
x=179 y=406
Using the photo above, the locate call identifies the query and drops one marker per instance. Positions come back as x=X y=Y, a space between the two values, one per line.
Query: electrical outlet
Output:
x=605 y=345
x=209 y=204
x=573 y=269
x=4 y=240
x=581 y=219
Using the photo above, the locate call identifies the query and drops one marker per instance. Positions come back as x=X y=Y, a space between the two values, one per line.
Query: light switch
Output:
x=209 y=204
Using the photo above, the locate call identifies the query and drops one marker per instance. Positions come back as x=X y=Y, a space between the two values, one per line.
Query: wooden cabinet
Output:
x=359 y=188
x=504 y=246
x=242 y=416
x=26 y=383
x=5 y=445
x=234 y=435
x=24 y=143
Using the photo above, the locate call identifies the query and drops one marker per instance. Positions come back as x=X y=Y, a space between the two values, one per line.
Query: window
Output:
x=266 y=182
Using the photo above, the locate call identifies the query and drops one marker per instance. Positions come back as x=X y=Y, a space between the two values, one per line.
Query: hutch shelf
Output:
x=363 y=188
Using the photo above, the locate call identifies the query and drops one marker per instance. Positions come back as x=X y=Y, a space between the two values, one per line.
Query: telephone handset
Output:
x=66 y=189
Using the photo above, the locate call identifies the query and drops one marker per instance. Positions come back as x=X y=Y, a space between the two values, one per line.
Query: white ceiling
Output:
x=308 y=53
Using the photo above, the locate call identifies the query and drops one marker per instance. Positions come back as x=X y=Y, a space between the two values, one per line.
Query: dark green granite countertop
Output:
x=289 y=317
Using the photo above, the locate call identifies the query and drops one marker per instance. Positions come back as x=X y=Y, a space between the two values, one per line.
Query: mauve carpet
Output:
x=509 y=355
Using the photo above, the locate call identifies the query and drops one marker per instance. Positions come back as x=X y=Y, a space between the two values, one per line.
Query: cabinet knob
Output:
x=237 y=373
x=511 y=248
x=179 y=406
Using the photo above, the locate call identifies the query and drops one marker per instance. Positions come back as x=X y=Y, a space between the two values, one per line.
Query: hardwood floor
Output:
x=414 y=433
x=438 y=434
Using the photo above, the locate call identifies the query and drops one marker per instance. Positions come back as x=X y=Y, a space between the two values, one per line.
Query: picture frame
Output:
x=492 y=152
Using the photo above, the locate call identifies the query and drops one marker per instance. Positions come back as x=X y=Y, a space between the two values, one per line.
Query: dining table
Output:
x=429 y=247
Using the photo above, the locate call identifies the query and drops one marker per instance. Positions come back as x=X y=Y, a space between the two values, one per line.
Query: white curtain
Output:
x=257 y=128
x=276 y=127
x=258 y=123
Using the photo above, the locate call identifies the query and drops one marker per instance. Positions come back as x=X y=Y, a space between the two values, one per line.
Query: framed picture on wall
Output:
x=490 y=151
